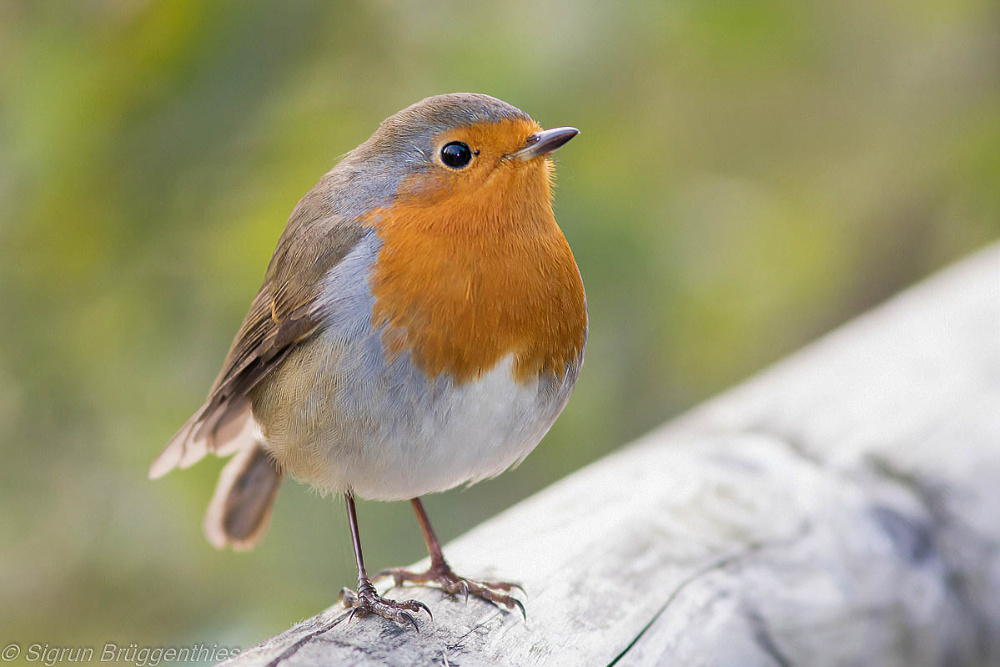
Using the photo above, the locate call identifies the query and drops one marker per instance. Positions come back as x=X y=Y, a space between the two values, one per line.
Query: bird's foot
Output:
x=368 y=601
x=440 y=575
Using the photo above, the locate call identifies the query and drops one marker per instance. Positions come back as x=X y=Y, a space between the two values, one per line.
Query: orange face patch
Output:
x=473 y=266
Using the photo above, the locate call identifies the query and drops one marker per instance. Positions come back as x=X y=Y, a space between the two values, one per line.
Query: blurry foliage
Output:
x=750 y=174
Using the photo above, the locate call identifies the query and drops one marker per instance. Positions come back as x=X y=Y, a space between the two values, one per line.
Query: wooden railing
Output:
x=842 y=508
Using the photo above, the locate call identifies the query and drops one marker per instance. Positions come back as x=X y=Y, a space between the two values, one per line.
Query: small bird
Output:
x=421 y=325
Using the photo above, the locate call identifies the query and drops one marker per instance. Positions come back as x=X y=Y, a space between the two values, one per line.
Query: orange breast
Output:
x=468 y=275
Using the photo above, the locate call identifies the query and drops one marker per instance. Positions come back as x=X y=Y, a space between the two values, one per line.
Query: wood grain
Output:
x=842 y=508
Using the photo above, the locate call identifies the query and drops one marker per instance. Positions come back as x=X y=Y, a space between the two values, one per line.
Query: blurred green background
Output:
x=750 y=174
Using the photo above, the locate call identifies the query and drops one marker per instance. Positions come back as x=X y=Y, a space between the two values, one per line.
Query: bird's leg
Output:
x=440 y=573
x=367 y=600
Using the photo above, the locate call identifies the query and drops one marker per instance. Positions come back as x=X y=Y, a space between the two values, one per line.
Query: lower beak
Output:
x=544 y=142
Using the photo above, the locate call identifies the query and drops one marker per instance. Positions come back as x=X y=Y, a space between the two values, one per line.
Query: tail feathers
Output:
x=193 y=441
x=241 y=507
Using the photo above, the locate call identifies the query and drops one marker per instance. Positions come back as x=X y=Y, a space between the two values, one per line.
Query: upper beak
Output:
x=544 y=142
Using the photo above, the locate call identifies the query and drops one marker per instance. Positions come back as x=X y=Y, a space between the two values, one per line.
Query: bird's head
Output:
x=475 y=156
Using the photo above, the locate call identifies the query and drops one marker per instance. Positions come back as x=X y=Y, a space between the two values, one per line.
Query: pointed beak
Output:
x=544 y=142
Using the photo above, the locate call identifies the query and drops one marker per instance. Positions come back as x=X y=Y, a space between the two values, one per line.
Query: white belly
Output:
x=395 y=435
x=451 y=436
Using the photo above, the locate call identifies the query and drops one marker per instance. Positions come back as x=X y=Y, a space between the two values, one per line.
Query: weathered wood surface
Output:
x=842 y=508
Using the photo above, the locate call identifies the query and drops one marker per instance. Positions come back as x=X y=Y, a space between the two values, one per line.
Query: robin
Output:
x=421 y=325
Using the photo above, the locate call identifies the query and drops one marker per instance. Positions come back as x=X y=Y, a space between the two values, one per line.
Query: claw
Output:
x=424 y=607
x=517 y=603
x=407 y=617
x=511 y=585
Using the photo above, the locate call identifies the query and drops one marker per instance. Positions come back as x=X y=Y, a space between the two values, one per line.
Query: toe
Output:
x=387 y=573
x=348 y=597
x=416 y=605
x=506 y=586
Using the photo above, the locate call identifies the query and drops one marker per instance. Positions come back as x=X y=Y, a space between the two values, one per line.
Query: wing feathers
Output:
x=283 y=313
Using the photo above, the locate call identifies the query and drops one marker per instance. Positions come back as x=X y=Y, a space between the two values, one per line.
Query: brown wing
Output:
x=282 y=314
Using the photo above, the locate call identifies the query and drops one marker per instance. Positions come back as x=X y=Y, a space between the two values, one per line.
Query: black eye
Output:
x=456 y=154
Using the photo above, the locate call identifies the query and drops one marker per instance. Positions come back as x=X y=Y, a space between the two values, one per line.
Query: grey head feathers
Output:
x=443 y=112
x=369 y=176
